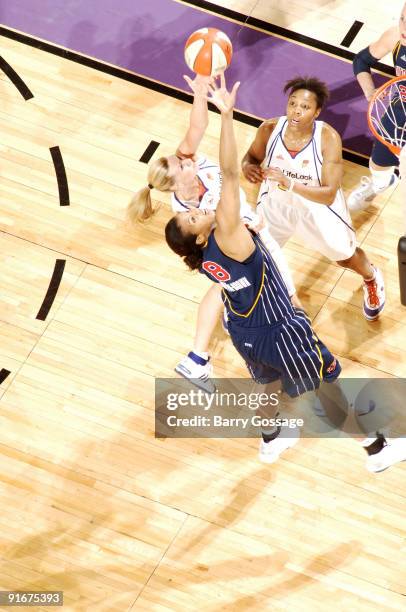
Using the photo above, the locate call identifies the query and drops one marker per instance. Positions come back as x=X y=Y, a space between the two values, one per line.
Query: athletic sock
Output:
x=369 y=280
x=381 y=179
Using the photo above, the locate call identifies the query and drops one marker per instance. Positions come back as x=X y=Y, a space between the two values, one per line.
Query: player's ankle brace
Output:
x=377 y=445
x=270 y=434
x=199 y=358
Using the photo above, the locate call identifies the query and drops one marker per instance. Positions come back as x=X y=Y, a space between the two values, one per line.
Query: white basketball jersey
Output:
x=210 y=178
x=305 y=166
x=327 y=228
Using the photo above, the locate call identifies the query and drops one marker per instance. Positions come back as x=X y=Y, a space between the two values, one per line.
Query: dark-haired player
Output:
x=382 y=162
x=299 y=162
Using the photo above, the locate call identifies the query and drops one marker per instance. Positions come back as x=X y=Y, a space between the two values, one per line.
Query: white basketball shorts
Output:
x=326 y=229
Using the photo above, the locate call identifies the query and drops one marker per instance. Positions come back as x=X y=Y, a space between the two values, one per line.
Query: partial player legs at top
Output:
x=383 y=162
x=383 y=176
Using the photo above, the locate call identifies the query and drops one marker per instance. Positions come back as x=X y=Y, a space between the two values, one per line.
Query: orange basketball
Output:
x=208 y=51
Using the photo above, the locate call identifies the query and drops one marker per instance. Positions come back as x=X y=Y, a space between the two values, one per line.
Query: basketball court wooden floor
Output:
x=92 y=504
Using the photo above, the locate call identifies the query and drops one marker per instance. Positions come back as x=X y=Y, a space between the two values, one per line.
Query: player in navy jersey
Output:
x=298 y=161
x=382 y=162
x=276 y=340
x=194 y=182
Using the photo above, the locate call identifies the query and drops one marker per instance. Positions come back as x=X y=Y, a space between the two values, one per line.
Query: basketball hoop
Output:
x=387 y=114
x=387 y=122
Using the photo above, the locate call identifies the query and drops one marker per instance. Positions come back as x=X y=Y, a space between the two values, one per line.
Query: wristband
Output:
x=292 y=184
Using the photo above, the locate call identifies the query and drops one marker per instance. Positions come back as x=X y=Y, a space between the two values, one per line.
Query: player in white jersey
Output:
x=196 y=183
x=299 y=163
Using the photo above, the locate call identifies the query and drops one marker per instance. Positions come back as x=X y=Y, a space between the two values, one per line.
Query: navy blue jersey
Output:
x=276 y=341
x=399 y=59
x=253 y=291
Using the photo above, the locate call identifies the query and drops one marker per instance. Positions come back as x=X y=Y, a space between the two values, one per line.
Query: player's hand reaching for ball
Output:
x=200 y=84
x=223 y=99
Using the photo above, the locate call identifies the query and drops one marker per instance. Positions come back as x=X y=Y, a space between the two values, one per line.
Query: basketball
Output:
x=208 y=51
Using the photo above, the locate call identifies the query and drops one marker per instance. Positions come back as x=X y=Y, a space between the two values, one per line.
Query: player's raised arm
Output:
x=368 y=57
x=228 y=210
x=199 y=116
x=231 y=233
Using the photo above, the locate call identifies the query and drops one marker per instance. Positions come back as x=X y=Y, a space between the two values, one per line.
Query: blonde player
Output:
x=299 y=161
x=382 y=162
x=195 y=183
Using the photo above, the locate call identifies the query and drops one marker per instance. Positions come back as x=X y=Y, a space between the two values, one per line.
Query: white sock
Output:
x=381 y=178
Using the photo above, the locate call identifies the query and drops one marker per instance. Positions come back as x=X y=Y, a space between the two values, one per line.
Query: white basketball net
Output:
x=387 y=114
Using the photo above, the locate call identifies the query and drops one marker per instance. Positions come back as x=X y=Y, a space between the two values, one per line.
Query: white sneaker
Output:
x=366 y=191
x=269 y=451
x=393 y=452
x=198 y=374
x=374 y=296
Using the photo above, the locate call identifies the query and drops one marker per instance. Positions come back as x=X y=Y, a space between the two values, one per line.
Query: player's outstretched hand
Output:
x=253 y=172
x=223 y=99
x=200 y=84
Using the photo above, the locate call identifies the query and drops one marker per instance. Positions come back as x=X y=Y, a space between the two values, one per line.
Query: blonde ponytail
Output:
x=141 y=208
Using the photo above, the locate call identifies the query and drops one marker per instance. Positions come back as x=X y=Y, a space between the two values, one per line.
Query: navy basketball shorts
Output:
x=288 y=351
x=381 y=156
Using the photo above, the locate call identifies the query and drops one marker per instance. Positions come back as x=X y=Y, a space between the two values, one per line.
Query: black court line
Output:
x=142 y=81
x=52 y=289
x=61 y=177
x=16 y=79
x=351 y=34
x=3 y=375
x=274 y=29
x=149 y=151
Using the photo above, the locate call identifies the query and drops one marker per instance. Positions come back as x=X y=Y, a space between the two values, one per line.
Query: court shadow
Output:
x=338 y=120
x=345 y=92
x=341 y=112
x=152 y=52
x=242 y=496
x=311 y=573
